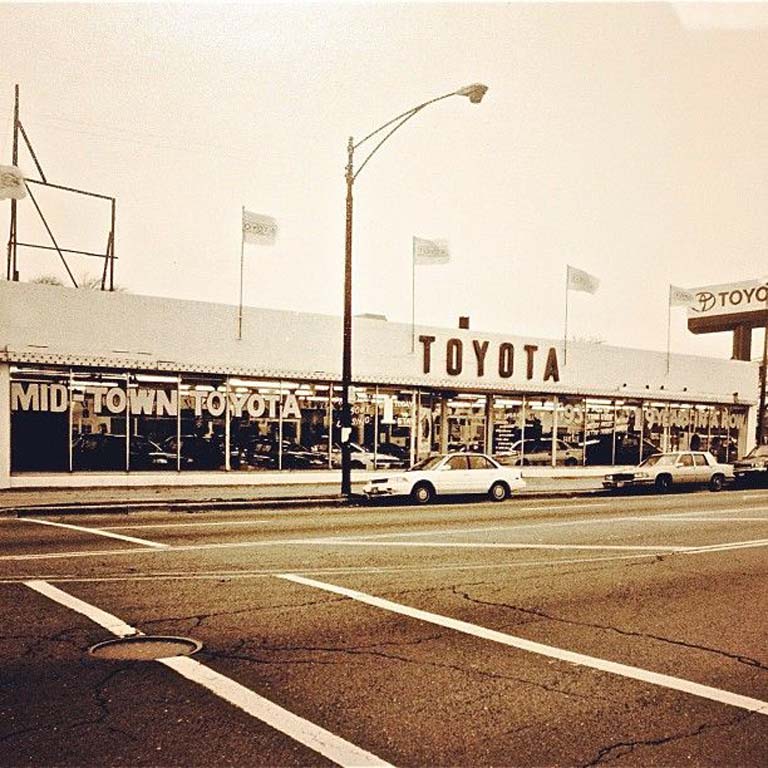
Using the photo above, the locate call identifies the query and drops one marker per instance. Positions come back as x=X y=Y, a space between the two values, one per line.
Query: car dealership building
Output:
x=119 y=389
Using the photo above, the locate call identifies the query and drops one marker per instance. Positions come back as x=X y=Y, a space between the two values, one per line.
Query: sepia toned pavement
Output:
x=270 y=494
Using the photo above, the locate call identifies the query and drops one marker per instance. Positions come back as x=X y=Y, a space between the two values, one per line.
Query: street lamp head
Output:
x=474 y=92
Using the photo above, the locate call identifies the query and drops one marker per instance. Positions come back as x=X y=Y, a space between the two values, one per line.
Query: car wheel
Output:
x=499 y=491
x=422 y=493
x=717 y=482
x=571 y=461
x=663 y=483
x=356 y=465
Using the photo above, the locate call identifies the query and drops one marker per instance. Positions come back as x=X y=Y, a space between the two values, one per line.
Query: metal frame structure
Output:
x=12 y=271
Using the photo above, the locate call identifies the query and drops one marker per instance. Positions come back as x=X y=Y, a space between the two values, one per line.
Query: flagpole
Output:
x=669 y=325
x=413 y=294
x=242 y=251
x=565 y=333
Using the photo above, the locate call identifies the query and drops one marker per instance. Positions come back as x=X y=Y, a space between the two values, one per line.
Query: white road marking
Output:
x=339 y=571
x=666 y=517
x=496 y=545
x=603 y=665
x=170 y=549
x=96 y=532
x=314 y=737
x=727 y=547
x=102 y=618
x=184 y=525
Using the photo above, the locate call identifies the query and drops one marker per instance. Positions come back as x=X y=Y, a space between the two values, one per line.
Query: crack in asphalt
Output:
x=200 y=618
x=371 y=650
x=740 y=658
x=622 y=748
x=102 y=703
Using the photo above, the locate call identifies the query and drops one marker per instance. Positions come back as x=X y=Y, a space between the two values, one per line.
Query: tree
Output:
x=90 y=282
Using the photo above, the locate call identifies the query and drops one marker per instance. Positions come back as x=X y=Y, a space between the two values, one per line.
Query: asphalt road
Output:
x=613 y=631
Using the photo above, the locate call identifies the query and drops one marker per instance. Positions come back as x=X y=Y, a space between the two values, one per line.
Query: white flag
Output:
x=259 y=229
x=680 y=297
x=430 y=251
x=11 y=183
x=579 y=280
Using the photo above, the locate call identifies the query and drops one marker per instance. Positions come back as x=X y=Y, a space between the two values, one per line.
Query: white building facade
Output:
x=116 y=389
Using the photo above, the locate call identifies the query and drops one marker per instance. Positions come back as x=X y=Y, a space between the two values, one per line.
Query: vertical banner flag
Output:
x=11 y=183
x=259 y=229
x=579 y=280
x=680 y=297
x=430 y=251
x=424 y=252
x=576 y=280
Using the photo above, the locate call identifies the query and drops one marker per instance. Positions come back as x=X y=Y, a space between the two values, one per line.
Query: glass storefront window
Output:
x=632 y=445
x=201 y=439
x=80 y=420
x=569 y=445
x=539 y=426
x=99 y=403
x=39 y=421
x=465 y=421
x=154 y=408
x=508 y=426
x=393 y=425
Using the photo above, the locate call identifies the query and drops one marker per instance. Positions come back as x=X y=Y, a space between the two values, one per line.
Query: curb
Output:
x=212 y=505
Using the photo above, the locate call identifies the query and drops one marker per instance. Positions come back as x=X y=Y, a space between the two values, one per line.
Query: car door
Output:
x=703 y=471
x=685 y=470
x=452 y=477
x=481 y=473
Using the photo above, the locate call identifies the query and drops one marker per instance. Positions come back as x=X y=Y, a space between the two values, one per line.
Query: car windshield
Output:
x=662 y=459
x=760 y=451
x=429 y=463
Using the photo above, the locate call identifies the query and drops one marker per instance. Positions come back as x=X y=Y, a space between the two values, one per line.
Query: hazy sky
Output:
x=630 y=140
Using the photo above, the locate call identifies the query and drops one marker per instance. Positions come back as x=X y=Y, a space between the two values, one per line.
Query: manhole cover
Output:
x=145 y=648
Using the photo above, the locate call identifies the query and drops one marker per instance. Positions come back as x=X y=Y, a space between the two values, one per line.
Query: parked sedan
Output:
x=663 y=470
x=362 y=458
x=539 y=451
x=753 y=468
x=452 y=473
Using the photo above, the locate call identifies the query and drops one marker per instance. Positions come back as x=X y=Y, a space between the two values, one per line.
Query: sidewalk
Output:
x=541 y=483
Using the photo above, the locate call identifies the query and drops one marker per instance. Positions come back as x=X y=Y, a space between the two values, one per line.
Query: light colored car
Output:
x=362 y=458
x=752 y=468
x=663 y=470
x=451 y=473
x=539 y=451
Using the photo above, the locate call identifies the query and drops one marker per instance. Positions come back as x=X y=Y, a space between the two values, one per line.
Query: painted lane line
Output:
x=170 y=549
x=603 y=665
x=666 y=517
x=310 y=735
x=96 y=532
x=102 y=618
x=763 y=519
x=727 y=546
x=340 y=571
x=319 y=740
x=184 y=525
x=499 y=545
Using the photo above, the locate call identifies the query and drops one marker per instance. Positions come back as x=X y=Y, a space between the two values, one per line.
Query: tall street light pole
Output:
x=474 y=93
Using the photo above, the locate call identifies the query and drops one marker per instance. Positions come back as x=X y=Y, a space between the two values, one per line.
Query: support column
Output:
x=742 y=343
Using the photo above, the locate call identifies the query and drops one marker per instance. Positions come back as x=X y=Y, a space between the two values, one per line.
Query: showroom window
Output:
x=40 y=420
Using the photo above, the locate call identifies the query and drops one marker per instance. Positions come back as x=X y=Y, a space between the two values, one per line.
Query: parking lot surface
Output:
x=597 y=631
